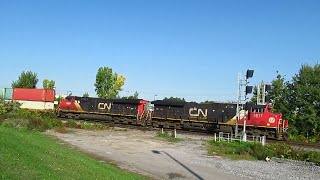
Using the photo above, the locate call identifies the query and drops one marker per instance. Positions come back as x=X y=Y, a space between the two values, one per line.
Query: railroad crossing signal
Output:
x=248 y=90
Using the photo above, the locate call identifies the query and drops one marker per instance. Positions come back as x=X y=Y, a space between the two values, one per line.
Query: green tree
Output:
x=26 y=80
x=86 y=94
x=299 y=100
x=305 y=96
x=255 y=95
x=208 y=102
x=174 y=99
x=281 y=99
x=134 y=96
x=48 y=84
x=108 y=84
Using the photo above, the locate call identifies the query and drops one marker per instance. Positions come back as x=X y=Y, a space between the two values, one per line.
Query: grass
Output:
x=255 y=151
x=169 y=137
x=28 y=154
x=42 y=121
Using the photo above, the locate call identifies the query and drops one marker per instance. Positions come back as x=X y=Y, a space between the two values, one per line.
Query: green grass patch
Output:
x=30 y=155
x=252 y=151
x=169 y=137
x=84 y=125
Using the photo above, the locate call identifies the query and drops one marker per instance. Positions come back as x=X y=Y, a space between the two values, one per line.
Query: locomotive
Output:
x=179 y=115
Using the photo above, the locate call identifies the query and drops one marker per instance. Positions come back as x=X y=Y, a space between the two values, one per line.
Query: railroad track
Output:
x=304 y=144
x=142 y=128
x=298 y=144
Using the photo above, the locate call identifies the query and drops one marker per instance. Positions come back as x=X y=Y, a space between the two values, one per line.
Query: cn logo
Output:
x=103 y=106
x=194 y=112
x=272 y=120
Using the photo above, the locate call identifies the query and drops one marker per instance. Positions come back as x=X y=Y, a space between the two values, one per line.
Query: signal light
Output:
x=249 y=89
x=268 y=87
x=249 y=73
x=267 y=98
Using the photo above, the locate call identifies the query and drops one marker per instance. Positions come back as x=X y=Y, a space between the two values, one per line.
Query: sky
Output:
x=193 y=49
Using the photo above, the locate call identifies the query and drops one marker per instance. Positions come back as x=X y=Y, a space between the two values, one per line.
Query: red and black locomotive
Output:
x=167 y=114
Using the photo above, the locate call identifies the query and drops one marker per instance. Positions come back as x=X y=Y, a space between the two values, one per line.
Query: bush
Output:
x=242 y=150
x=8 y=107
x=15 y=122
x=12 y=116
x=42 y=124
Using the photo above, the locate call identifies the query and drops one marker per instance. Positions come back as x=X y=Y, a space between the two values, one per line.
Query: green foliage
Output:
x=15 y=122
x=92 y=126
x=86 y=94
x=299 y=101
x=208 y=102
x=108 y=84
x=26 y=80
x=174 y=99
x=31 y=155
x=242 y=150
x=8 y=107
x=33 y=120
x=169 y=137
x=305 y=93
x=59 y=99
x=134 y=96
x=255 y=94
x=84 y=125
x=48 y=84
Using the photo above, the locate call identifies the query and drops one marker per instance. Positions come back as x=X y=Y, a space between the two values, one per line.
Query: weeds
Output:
x=12 y=116
x=62 y=130
x=169 y=137
x=84 y=125
x=242 y=150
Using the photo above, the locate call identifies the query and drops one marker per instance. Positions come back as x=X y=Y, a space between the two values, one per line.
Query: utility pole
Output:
x=249 y=74
x=238 y=103
x=243 y=82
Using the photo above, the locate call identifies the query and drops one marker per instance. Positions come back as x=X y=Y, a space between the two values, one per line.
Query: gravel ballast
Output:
x=143 y=152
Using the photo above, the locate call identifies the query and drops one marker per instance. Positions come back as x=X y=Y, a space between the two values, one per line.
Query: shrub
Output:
x=15 y=122
x=239 y=150
x=8 y=106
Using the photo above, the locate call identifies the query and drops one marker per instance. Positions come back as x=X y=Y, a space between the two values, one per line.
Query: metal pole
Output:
x=245 y=116
x=238 y=102
x=258 y=94
x=264 y=94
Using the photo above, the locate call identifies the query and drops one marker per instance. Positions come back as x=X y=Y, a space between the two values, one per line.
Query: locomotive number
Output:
x=257 y=115
x=103 y=106
x=194 y=112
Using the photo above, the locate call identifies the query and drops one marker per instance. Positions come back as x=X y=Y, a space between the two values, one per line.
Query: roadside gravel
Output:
x=143 y=152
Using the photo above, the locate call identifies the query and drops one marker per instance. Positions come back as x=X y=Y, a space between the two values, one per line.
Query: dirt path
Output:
x=143 y=152
x=146 y=154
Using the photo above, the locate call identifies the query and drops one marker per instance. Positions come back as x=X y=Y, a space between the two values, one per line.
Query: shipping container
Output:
x=43 y=95
x=2 y=93
x=6 y=93
x=36 y=105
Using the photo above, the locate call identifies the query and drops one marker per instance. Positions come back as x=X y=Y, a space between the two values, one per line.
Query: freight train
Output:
x=167 y=114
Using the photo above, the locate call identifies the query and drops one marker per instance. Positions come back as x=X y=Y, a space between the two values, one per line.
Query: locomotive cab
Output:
x=261 y=116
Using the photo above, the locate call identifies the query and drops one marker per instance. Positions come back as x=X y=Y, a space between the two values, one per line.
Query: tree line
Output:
x=29 y=79
x=298 y=99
